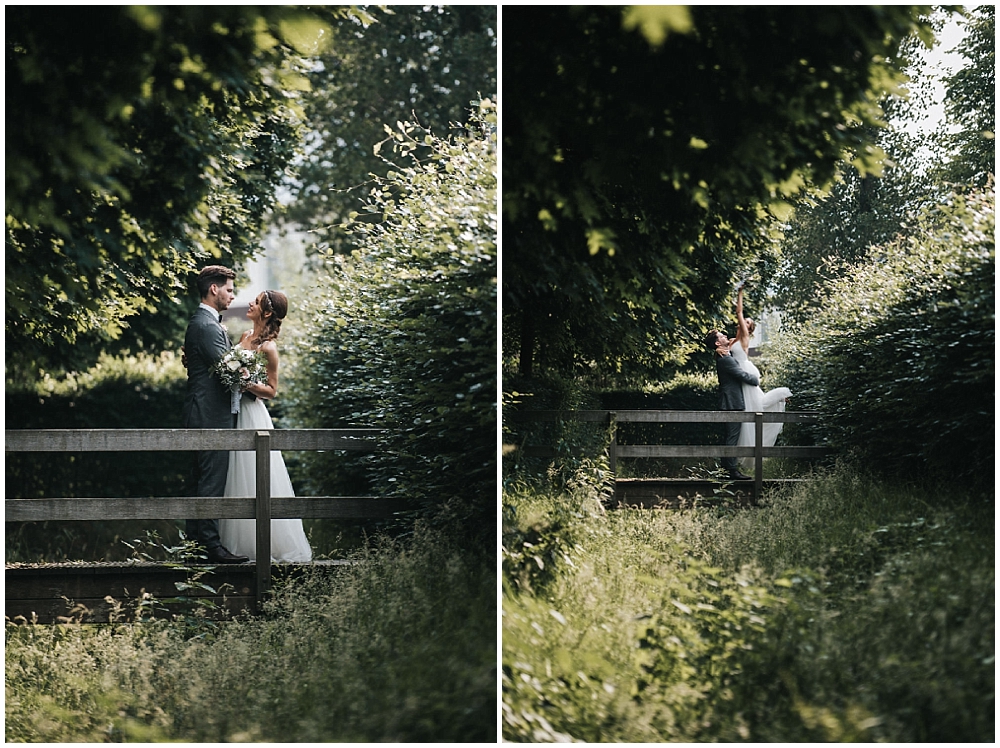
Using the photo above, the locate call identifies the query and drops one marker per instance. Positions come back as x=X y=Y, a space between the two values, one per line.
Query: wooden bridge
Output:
x=648 y=492
x=47 y=592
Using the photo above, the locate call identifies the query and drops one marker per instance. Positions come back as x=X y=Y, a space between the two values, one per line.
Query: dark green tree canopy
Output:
x=970 y=102
x=731 y=111
x=647 y=149
x=141 y=142
x=425 y=64
x=829 y=234
x=860 y=216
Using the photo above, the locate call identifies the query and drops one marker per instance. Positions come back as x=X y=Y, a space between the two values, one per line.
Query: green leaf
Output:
x=307 y=34
x=656 y=22
x=601 y=238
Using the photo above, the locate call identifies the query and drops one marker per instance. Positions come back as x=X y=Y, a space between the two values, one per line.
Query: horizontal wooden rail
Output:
x=262 y=506
x=197 y=507
x=653 y=450
x=658 y=416
x=689 y=450
x=182 y=440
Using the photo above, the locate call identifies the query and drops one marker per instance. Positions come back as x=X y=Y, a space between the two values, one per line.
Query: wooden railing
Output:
x=613 y=418
x=262 y=506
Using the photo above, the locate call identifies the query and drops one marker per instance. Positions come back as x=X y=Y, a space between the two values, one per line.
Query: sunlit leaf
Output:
x=781 y=210
x=601 y=238
x=656 y=22
x=306 y=33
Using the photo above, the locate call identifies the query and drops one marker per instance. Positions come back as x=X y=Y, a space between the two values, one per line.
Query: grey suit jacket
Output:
x=731 y=380
x=207 y=402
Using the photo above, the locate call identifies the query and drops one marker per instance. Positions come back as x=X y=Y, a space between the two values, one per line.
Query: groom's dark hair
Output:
x=711 y=339
x=217 y=274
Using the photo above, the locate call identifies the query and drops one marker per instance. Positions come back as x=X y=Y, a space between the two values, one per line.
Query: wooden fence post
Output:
x=758 y=456
x=613 y=448
x=262 y=515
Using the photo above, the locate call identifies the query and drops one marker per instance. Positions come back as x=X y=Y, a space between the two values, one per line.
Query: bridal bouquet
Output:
x=239 y=368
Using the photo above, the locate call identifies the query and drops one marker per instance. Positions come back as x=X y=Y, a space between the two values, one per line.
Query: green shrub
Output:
x=116 y=393
x=574 y=439
x=886 y=629
x=901 y=361
x=568 y=646
x=404 y=332
x=681 y=392
x=843 y=609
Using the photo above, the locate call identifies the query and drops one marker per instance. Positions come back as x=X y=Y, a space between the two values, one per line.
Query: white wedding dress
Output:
x=755 y=400
x=288 y=539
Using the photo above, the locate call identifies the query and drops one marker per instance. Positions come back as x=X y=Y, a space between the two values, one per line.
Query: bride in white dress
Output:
x=288 y=539
x=755 y=400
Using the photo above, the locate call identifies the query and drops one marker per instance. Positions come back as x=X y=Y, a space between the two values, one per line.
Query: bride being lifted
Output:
x=754 y=398
x=288 y=539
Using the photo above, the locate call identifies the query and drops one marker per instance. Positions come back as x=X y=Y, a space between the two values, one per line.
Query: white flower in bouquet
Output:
x=238 y=369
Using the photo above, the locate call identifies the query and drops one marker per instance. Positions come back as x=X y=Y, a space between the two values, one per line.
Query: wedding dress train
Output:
x=288 y=539
x=755 y=400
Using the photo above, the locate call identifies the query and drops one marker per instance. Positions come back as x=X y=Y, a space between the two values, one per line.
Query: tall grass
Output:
x=398 y=647
x=844 y=609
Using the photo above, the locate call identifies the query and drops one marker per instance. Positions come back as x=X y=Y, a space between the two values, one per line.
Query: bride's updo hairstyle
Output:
x=276 y=303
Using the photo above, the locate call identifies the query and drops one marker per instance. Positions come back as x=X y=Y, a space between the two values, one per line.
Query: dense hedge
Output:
x=901 y=362
x=403 y=333
x=574 y=439
x=682 y=392
x=130 y=392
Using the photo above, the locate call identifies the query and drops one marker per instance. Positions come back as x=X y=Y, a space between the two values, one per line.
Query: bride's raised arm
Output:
x=743 y=328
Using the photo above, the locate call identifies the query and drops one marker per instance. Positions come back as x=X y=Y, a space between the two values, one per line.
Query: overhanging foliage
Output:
x=647 y=155
x=141 y=142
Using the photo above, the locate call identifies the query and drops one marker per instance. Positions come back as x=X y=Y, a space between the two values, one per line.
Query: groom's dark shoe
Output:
x=737 y=475
x=220 y=555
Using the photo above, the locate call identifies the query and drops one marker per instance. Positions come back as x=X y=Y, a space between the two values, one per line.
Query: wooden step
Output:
x=63 y=592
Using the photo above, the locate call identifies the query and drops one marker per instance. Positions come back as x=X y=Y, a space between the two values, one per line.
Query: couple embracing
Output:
x=739 y=387
x=209 y=404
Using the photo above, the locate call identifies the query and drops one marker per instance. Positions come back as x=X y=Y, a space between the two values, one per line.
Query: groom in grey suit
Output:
x=207 y=403
x=731 y=379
